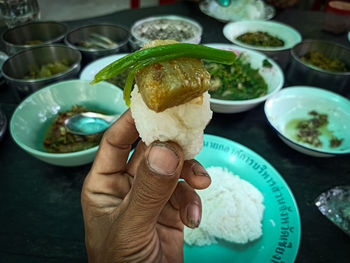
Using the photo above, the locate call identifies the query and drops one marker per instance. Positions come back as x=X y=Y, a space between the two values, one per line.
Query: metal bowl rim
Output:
x=312 y=67
x=34 y=81
x=58 y=38
x=96 y=50
x=170 y=17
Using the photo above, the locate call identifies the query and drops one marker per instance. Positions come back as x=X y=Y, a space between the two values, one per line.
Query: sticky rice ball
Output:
x=183 y=124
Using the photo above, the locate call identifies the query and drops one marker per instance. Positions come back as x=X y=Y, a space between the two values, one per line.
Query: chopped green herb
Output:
x=266 y=64
x=238 y=81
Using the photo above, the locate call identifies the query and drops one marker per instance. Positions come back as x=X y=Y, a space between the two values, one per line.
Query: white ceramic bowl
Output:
x=34 y=115
x=273 y=77
x=294 y=103
x=289 y=35
x=89 y=72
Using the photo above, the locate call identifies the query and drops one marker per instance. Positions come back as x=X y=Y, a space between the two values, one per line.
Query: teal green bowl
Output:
x=35 y=114
x=293 y=104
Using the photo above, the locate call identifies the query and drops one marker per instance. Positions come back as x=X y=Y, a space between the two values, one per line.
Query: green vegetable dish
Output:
x=58 y=140
x=238 y=81
x=319 y=60
x=262 y=39
x=47 y=70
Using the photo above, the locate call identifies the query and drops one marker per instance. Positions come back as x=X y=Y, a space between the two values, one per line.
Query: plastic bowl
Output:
x=294 y=103
x=34 y=115
x=289 y=35
x=273 y=77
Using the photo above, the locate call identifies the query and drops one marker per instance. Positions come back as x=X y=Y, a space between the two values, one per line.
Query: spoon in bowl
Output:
x=87 y=123
x=224 y=3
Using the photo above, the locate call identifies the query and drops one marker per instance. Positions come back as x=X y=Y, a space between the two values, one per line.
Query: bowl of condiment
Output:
x=178 y=28
x=242 y=86
x=37 y=123
x=31 y=69
x=320 y=63
x=311 y=120
x=272 y=38
x=95 y=41
x=33 y=34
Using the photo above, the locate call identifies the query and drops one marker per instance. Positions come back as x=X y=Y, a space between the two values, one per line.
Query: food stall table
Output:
x=41 y=218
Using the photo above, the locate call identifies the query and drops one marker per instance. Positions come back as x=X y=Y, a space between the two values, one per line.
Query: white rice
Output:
x=232 y=210
x=183 y=124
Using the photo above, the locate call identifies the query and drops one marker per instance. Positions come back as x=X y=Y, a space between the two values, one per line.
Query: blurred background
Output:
x=66 y=10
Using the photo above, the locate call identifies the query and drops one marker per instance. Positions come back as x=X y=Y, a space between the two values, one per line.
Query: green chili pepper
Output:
x=144 y=57
x=130 y=79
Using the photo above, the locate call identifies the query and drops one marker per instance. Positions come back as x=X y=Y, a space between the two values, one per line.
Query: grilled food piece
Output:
x=173 y=82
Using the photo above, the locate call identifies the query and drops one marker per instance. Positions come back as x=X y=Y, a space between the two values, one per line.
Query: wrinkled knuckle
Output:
x=148 y=196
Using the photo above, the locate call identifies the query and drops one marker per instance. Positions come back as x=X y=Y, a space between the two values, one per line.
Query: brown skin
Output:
x=136 y=211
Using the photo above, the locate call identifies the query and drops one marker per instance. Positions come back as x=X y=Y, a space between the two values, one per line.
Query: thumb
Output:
x=155 y=182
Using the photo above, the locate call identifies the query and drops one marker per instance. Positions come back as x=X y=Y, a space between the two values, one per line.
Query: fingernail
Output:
x=163 y=159
x=193 y=215
x=199 y=170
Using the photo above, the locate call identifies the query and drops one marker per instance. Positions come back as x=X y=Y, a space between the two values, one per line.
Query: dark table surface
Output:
x=40 y=212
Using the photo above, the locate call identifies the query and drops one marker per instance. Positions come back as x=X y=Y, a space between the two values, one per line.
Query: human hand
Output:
x=135 y=211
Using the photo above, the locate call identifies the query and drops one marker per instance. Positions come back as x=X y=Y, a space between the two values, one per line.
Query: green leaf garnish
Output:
x=144 y=57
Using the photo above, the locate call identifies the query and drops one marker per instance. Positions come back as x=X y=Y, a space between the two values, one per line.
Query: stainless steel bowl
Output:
x=178 y=28
x=116 y=33
x=301 y=73
x=16 y=67
x=16 y=38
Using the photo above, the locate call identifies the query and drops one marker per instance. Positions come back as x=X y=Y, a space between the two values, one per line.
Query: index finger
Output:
x=115 y=146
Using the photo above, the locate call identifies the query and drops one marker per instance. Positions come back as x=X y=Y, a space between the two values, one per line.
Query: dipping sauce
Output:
x=319 y=60
x=58 y=140
x=262 y=39
x=310 y=130
x=238 y=81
